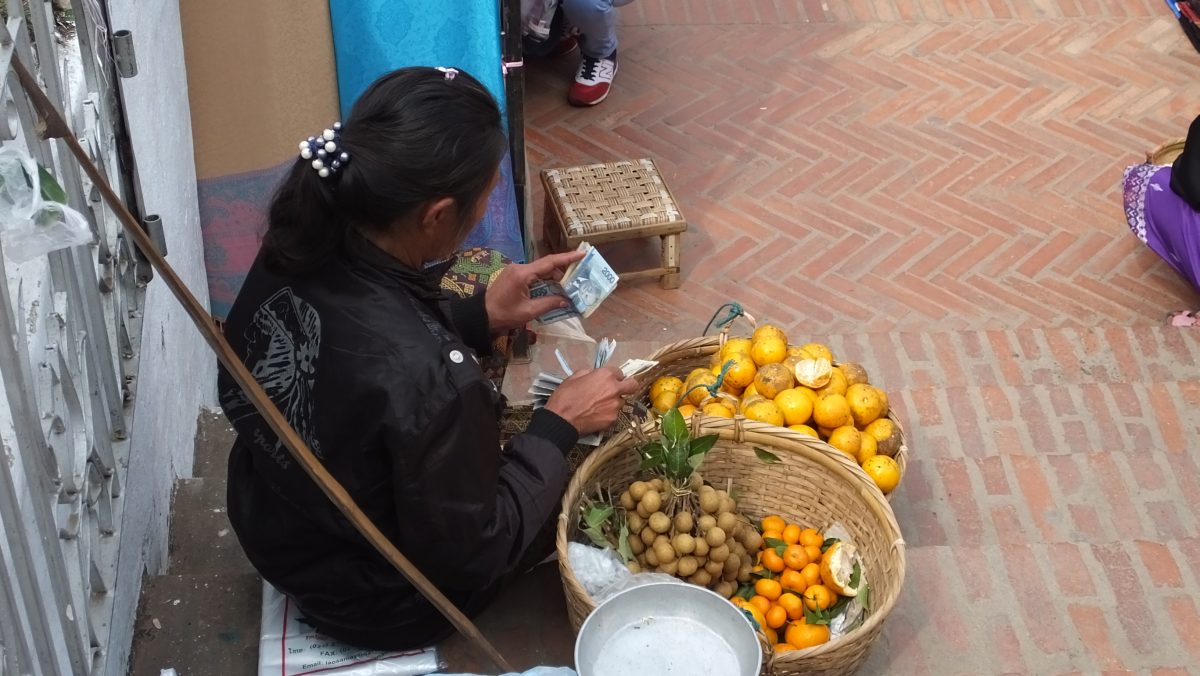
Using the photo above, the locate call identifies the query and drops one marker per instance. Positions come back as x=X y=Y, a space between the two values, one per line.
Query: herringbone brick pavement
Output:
x=931 y=186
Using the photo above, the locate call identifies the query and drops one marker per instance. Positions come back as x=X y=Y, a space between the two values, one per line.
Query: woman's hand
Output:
x=507 y=297
x=590 y=400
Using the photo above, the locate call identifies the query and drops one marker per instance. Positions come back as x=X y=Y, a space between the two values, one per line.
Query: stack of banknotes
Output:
x=546 y=383
x=586 y=283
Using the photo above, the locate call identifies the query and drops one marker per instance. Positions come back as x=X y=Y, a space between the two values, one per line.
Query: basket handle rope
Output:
x=733 y=311
x=55 y=126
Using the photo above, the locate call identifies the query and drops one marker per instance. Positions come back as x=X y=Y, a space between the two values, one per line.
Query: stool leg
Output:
x=670 y=260
x=552 y=229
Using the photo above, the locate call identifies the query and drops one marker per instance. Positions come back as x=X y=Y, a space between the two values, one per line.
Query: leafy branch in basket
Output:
x=676 y=455
x=605 y=525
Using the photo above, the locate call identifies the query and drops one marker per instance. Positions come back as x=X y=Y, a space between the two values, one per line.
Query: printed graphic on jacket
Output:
x=283 y=341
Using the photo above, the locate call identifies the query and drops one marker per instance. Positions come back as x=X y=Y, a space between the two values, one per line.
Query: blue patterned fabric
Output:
x=373 y=37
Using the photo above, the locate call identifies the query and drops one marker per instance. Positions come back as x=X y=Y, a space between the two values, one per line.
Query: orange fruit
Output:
x=813 y=373
x=665 y=384
x=761 y=602
x=792 y=604
x=819 y=597
x=865 y=404
x=837 y=568
x=754 y=611
x=769 y=589
x=772 y=379
x=776 y=617
x=887 y=434
x=848 y=440
x=868 y=449
x=792 y=580
x=811 y=574
x=854 y=373
x=773 y=522
x=794 y=556
x=808 y=392
x=768 y=331
x=766 y=412
x=687 y=410
x=813 y=551
x=772 y=635
x=884 y=471
x=818 y=351
x=832 y=411
x=803 y=635
x=797 y=408
x=772 y=561
x=804 y=429
x=768 y=350
x=811 y=536
x=664 y=401
x=695 y=387
x=886 y=404
x=734 y=346
x=717 y=410
x=729 y=389
x=772 y=534
x=750 y=391
x=784 y=648
x=741 y=373
x=837 y=384
x=791 y=534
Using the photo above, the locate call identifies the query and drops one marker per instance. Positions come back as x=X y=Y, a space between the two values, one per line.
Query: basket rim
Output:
x=1153 y=157
x=745 y=432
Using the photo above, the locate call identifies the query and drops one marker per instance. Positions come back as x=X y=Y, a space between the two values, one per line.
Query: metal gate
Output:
x=71 y=325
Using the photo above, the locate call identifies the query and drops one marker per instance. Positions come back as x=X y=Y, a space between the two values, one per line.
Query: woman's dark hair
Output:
x=414 y=135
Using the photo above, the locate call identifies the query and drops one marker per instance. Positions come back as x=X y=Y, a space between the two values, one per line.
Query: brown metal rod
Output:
x=55 y=126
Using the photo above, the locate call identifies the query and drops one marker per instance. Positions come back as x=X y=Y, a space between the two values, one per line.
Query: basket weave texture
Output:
x=1165 y=153
x=615 y=196
x=808 y=485
x=678 y=359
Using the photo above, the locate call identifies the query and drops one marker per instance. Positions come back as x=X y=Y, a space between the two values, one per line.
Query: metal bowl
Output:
x=667 y=629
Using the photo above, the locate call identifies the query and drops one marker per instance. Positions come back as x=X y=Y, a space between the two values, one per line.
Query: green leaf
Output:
x=864 y=597
x=775 y=543
x=702 y=445
x=595 y=516
x=814 y=616
x=746 y=591
x=696 y=461
x=653 y=456
x=623 y=543
x=766 y=456
x=828 y=543
x=856 y=576
x=51 y=190
x=597 y=537
x=674 y=429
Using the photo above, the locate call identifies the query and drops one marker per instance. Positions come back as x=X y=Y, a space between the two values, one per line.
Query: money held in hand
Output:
x=585 y=284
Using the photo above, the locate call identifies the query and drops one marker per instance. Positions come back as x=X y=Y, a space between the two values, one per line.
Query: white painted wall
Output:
x=177 y=372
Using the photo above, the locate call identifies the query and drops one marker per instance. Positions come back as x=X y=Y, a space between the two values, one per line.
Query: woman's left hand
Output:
x=507 y=298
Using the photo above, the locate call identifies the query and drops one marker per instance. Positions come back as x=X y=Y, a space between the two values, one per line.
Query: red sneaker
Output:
x=593 y=80
x=565 y=47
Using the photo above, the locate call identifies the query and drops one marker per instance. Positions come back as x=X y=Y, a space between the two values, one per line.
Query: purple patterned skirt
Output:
x=1161 y=219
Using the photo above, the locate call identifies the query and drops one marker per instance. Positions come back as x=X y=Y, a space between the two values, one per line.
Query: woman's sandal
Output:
x=1183 y=318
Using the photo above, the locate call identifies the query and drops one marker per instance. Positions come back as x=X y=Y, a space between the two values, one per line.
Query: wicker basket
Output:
x=1166 y=153
x=678 y=359
x=809 y=485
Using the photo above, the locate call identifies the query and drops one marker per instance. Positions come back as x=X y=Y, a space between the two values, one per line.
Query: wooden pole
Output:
x=55 y=126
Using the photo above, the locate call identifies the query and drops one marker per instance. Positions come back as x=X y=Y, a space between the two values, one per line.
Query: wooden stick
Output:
x=55 y=126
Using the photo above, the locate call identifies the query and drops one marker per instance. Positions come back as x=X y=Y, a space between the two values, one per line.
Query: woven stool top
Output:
x=626 y=195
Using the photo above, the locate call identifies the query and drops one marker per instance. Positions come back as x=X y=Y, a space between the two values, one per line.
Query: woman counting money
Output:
x=342 y=321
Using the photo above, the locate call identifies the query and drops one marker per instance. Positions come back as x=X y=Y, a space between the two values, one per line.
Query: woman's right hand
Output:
x=590 y=400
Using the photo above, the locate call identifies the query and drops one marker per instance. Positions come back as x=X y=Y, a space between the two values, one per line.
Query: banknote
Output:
x=586 y=283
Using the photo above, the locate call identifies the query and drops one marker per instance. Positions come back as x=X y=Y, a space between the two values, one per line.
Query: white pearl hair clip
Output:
x=450 y=73
x=323 y=151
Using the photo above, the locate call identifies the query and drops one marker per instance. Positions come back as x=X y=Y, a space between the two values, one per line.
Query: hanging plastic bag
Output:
x=30 y=224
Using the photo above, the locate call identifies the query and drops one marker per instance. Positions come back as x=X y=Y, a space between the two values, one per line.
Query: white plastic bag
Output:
x=596 y=568
x=29 y=225
x=289 y=647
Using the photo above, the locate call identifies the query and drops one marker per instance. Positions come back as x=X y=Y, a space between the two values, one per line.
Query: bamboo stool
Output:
x=601 y=203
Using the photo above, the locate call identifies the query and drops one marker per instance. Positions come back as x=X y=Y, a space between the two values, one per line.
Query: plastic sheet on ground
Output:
x=288 y=647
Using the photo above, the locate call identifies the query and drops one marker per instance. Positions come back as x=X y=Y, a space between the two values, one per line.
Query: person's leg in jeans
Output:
x=596 y=21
